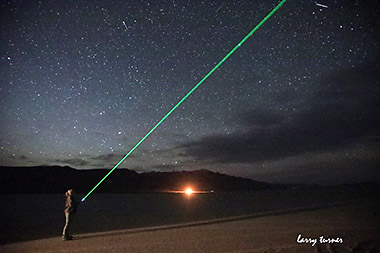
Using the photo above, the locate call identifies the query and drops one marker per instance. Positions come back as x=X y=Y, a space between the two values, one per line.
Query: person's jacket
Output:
x=71 y=205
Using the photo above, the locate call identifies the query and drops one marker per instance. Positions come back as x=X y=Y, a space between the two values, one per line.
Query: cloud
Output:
x=73 y=162
x=107 y=158
x=91 y=161
x=24 y=157
x=344 y=111
x=165 y=167
x=345 y=166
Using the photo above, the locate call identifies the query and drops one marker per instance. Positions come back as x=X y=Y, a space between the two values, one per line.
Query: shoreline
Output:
x=356 y=225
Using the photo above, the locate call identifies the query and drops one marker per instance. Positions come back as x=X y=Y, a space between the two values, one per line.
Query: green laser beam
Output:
x=189 y=93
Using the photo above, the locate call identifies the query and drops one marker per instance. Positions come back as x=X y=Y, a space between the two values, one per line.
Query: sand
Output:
x=350 y=228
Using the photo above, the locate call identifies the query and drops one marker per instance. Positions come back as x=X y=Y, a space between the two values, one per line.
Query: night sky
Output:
x=81 y=82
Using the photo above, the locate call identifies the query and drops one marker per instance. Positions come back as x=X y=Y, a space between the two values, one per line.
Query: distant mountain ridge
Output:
x=57 y=179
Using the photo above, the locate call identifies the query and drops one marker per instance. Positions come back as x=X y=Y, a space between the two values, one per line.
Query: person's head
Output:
x=70 y=192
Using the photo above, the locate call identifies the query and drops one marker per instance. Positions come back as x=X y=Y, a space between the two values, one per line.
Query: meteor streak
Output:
x=321 y=5
x=125 y=25
x=189 y=93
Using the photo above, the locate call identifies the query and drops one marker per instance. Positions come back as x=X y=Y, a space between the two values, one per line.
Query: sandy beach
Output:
x=346 y=228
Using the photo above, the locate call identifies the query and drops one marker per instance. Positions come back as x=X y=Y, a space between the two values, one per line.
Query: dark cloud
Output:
x=344 y=111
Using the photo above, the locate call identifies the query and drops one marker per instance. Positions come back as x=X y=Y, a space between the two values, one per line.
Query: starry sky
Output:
x=81 y=82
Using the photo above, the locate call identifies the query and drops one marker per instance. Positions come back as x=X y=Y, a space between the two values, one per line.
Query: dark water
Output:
x=27 y=217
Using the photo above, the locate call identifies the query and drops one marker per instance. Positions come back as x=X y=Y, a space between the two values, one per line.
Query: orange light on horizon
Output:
x=189 y=191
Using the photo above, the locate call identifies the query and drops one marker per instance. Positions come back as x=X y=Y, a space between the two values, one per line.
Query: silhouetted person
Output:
x=70 y=210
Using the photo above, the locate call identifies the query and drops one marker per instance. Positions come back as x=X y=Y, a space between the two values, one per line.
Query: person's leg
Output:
x=66 y=228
